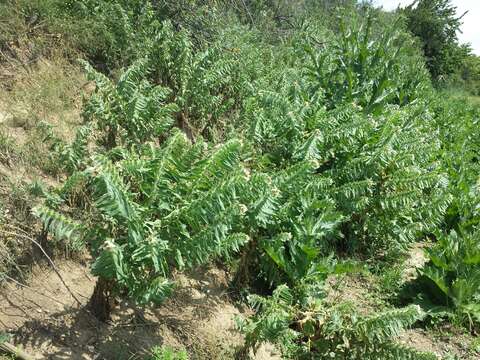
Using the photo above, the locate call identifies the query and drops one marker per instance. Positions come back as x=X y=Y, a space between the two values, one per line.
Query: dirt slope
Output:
x=45 y=320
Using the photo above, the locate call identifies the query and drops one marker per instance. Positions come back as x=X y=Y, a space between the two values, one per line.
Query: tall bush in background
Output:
x=436 y=24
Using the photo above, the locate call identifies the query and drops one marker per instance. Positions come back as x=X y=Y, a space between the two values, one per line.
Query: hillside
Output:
x=264 y=179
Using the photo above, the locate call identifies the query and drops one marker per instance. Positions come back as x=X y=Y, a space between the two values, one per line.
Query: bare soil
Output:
x=445 y=343
x=415 y=260
x=44 y=319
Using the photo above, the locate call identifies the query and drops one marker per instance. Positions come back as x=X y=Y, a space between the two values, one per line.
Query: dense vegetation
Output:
x=293 y=149
x=436 y=25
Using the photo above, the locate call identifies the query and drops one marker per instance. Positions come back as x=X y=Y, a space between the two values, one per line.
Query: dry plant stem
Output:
x=49 y=260
x=101 y=302
x=25 y=236
x=17 y=353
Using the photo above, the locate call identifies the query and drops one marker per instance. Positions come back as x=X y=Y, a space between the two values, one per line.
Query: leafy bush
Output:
x=205 y=83
x=290 y=226
x=451 y=279
x=152 y=210
x=132 y=111
x=367 y=69
x=459 y=157
x=380 y=173
x=303 y=326
x=379 y=162
x=448 y=284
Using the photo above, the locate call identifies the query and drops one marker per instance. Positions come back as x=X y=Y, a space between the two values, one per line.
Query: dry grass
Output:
x=48 y=91
x=474 y=100
x=46 y=94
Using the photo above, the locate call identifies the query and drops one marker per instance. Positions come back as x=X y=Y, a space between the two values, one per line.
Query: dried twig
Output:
x=27 y=237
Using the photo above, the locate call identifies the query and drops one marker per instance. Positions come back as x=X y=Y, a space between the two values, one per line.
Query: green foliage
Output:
x=204 y=83
x=4 y=337
x=470 y=74
x=376 y=161
x=170 y=77
x=459 y=157
x=378 y=172
x=391 y=279
x=451 y=279
x=69 y=157
x=466 y=80
x=367 y=69
x=291 y=226
x=305 y=327
x=154 y=209
x=168 y=353
x=437 y=25
x=59 y=225
x=448 y=284
x=132 y=111
x=382 y=186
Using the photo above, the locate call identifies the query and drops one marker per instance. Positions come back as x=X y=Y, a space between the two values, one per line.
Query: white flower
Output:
x=275 y=191
x=243 y=209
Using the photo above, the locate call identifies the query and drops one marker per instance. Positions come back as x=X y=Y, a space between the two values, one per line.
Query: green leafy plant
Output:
x=152 y=210
x=380 y=173
x=290 y=226
x=451 y=278
x=366 y=68
x=206 y=84
x=448 y=284
x=168 y=353
x=377 y=155
x=459 y=157
x=304 y=326
x=131 y=111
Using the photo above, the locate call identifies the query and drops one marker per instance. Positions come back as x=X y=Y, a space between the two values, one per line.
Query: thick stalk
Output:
x=102 y=302
x=243 y=275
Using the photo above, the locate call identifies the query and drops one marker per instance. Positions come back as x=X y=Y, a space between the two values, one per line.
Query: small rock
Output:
x=5 y=118
x=19 y=118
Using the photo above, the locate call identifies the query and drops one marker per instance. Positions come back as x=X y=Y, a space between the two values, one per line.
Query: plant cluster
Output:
x=152 y=209
x=451 y=279
x=304 y=327
x=448 y=284
x=284 y=159
x=167 y=353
